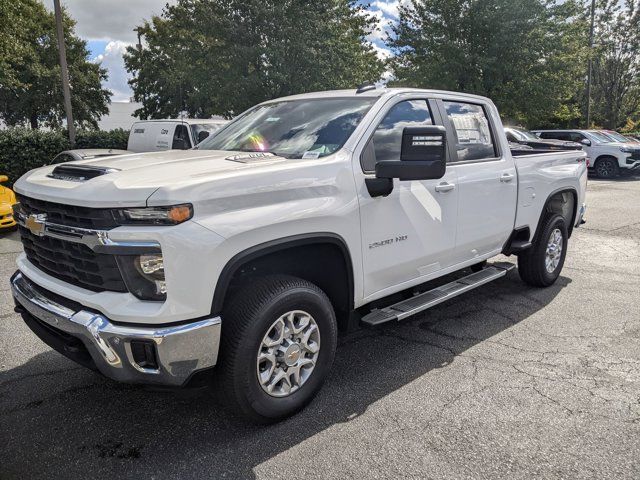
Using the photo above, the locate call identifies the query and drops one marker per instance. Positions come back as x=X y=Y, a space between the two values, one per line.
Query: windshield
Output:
x=616 y=137
x=524 y=134
x=599 y=137
x=309 y=128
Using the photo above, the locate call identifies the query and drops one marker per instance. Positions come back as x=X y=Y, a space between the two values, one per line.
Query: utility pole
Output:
x=66 y=92
x=593 y=14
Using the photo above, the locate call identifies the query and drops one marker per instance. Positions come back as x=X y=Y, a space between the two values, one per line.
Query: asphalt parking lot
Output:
x=505 y=382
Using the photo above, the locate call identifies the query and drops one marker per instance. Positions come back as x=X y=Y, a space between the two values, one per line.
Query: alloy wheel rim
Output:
x=554 y=251
x=288 y=353
x=605 y=169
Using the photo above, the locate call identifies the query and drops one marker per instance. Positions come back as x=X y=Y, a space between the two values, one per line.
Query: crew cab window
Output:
x=566 y=136
x=387 y=138
x=181 y=138
x=576 y=137
x=473 y=133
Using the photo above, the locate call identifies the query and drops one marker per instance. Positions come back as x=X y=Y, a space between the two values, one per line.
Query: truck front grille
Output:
x=69 y=215
x=71 y=262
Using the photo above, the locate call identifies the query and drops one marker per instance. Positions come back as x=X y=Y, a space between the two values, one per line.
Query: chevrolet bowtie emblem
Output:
x=36 y=224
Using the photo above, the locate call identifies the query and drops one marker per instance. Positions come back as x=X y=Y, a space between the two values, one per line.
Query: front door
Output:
x=411 y=233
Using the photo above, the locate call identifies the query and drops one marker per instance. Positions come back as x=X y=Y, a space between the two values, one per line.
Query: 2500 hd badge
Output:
x=388 y=241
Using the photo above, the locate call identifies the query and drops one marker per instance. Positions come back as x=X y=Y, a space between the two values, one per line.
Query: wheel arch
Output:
x=557 y=203
x=327 y=264
x=605 y=156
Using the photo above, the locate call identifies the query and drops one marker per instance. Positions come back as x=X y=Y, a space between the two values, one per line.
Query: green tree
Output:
x=616 y=63
x=222 y=56
x=526 y=55
x=30 y=85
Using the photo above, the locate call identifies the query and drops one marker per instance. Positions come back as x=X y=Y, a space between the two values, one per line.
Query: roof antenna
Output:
x=365 y=87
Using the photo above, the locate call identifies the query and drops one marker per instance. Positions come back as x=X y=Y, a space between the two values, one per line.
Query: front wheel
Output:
x=541 y=265
x=607 y=168
x=279 y=337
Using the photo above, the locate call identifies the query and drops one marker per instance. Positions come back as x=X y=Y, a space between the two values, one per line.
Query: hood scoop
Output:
x=79 y=173
x=251 y=157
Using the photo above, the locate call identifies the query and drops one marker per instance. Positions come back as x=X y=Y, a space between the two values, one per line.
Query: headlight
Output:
x=627 y=149
x=169 y=215
x=144 y=275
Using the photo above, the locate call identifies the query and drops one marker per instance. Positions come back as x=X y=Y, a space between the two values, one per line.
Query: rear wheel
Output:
x=278 y=343
x=607 y=168
x=541 y=265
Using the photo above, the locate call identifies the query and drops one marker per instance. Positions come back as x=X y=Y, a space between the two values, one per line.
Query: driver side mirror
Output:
x=423 y=156
x=586 y=141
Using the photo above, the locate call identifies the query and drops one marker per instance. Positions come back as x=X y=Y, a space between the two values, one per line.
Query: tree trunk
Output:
x=33 y=120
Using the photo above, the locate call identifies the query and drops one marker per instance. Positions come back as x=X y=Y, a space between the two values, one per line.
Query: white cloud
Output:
x=110 y=19
x=390 y=9
x=112 y=60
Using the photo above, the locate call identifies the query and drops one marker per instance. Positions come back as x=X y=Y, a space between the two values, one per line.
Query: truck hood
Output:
x=131 y=179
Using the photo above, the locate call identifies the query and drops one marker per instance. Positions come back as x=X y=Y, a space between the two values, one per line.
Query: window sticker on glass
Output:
x=272 y=119
x=310 y=154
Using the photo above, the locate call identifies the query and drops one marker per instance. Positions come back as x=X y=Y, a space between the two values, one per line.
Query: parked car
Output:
x=87 y=154
x=178 y=134
x=7 y=201
x=525 y=137
x=306 y=215
x=608 y=158
x=618 y=137
x=518 y=147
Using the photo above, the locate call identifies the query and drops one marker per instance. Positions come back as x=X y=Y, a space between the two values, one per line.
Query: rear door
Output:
x=487 y=182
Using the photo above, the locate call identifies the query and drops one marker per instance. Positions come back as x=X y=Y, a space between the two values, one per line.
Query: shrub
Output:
x=22 y=149
x=102 y=139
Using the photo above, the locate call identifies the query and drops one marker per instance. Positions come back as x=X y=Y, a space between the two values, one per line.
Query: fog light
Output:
x=151 y=264
x=144 y=275
x=152 y=267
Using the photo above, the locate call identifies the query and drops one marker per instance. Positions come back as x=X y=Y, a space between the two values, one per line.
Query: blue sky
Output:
x=107 y=25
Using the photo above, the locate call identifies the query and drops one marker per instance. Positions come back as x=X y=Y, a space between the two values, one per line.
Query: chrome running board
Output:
x=430 y=298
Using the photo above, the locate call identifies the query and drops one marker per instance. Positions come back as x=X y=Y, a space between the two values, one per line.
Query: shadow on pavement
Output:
x=58 y=418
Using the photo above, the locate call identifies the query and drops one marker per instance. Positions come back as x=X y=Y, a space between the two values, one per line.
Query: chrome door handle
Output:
x=506 y=177
x=445 y=187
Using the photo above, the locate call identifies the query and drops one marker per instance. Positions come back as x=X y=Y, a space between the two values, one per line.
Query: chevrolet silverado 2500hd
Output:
x=305 y=215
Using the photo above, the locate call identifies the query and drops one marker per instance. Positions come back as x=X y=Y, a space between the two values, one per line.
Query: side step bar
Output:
x=430 y=298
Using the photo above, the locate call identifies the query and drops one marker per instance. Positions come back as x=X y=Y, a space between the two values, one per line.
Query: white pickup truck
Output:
x=305 y=216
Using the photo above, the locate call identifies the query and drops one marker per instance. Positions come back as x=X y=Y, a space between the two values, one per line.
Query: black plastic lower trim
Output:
x=68 y=345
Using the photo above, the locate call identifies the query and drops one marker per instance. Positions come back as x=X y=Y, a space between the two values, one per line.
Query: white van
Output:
x=180 y=134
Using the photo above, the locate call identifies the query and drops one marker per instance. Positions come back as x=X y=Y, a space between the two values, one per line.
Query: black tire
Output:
x=478 y=266
x=531 y=263
x=607 y=168
x=248 y=318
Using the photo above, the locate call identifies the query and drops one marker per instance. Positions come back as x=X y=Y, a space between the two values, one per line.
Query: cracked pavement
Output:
x=507 y=381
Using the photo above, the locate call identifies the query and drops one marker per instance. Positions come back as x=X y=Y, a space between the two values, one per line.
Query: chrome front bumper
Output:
x=180 y=350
